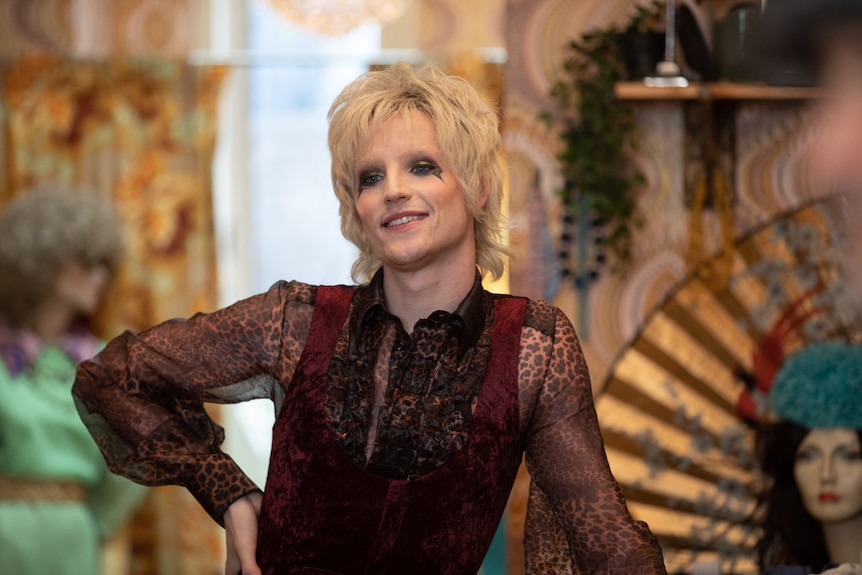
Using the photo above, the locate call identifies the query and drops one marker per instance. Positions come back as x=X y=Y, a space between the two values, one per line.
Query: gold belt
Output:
x=41 y=490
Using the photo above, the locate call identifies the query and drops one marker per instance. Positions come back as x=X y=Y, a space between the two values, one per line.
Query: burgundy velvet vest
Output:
x=323 y=514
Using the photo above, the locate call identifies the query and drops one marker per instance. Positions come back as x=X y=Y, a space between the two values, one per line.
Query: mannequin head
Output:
x=828 y=471
x=791 y=535
x=58 y=248
x=810 y=455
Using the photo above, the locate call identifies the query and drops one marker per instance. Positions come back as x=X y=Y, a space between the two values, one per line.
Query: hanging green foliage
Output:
x=598 y=134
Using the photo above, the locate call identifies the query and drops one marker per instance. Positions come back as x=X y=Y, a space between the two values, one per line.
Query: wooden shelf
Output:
x=714 y=91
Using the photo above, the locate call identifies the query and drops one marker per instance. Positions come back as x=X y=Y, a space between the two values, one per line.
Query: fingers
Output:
x=232 y=564
x=234 y=561
x=845 y=569
x=240 y=523
x=241 y=556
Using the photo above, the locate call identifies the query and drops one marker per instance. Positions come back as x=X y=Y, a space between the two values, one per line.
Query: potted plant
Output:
x=643 y=41
x=597 y=131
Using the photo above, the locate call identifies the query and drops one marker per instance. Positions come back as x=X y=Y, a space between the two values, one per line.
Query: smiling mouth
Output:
x=404 y=220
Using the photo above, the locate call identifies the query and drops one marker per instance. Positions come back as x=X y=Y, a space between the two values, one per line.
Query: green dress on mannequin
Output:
x=42 y=438
x=58 y=501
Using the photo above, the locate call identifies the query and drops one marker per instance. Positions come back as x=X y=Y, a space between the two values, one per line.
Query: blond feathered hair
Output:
x=468 y=135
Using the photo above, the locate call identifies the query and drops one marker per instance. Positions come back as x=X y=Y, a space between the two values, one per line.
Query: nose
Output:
x=827 y=471
x=101 y=274
x=395 y=188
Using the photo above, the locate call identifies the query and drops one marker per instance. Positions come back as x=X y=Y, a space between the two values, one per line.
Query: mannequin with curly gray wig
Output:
x=47 y=236
x=58 y=501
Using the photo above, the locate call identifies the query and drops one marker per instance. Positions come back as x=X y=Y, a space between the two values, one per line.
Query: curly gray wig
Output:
x=43 y=230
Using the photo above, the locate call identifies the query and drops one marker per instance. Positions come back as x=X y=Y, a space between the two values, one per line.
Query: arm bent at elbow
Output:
x=566 y=460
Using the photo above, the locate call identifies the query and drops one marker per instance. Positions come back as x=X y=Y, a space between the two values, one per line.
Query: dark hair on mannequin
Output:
x=791 y=536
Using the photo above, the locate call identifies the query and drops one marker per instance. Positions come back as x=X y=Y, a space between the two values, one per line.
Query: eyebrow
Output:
x=426 y=155
x=363 y=167
x=850 y=446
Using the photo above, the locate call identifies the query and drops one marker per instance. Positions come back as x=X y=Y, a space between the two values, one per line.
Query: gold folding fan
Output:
x=670 y=406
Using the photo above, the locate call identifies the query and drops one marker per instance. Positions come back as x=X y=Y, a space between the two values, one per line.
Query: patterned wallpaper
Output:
x=100 y=28
x=35 y=26
x=770 y=177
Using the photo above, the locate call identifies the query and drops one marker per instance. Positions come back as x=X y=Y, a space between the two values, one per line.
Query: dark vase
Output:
x=643 y=51
x=736 y=41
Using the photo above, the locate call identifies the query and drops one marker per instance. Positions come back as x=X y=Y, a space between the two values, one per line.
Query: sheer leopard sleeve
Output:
x=566 y=460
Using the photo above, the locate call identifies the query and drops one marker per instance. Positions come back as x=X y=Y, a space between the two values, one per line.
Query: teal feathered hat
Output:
x=820 y=387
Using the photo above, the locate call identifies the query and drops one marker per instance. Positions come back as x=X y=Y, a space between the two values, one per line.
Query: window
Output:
x=276 y=214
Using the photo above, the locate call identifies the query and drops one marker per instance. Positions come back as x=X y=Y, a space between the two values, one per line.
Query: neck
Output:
x=411 y=296
x=51 y=320
x=844 y=540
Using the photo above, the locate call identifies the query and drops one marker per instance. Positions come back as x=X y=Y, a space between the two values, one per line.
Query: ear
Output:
x=483 y=196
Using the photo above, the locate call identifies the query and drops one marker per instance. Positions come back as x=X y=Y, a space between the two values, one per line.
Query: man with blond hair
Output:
x=404 y=404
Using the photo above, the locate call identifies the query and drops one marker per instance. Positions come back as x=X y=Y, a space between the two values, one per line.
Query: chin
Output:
x=408 y=261
x=834 y=515
x=87 y=309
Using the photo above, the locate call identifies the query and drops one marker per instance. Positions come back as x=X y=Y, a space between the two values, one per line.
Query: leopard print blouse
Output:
x=142 y=399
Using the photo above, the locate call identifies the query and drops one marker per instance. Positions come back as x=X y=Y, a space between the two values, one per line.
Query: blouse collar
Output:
x=471 y=312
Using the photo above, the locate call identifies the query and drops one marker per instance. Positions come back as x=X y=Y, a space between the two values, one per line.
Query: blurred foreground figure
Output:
x=405 y=404
x=822 y=39
x=58 y=500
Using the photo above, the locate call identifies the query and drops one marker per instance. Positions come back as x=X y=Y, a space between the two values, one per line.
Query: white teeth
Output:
x=404 y=220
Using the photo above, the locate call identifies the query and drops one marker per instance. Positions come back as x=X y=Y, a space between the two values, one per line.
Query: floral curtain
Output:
x=141 y=132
